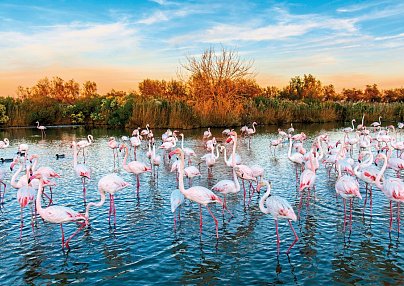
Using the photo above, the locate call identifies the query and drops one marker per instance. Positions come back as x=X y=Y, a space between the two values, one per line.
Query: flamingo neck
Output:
x=124 y=164
x=379 y=175
x=262 y=206
x=39 y=196
x=235 y=179
x=14 y=177
x=98 y=204
x=74 y=155
x=290 y=148
x=353 y=126
x=233 y=159
x=181 y=175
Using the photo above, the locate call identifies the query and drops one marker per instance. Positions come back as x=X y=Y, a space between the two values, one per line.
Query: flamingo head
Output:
x=263 y=183
x=122 y=147
x=33 y=156
x=230 y=139
x=177 y=151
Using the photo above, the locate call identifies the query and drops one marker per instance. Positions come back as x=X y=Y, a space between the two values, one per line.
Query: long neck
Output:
x=290 y=148
x=39 y=196
x=124 y=165
x=379 y=175
x=253 y=126
x=33 y=168
x=225 y=156
x=154 y=151
x=217 y=152
x=235 y=179
x=37 y=124
x=233 y=160
x=181 y=175
x=98 y=204
x=14 y=177
x=363 y=118
x=262 y=206
x=74 y=155
x=353 y=127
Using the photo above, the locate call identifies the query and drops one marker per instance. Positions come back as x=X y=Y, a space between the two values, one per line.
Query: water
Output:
x=145 y=249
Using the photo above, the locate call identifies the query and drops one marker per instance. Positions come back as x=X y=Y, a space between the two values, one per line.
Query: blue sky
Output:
x=119 y=43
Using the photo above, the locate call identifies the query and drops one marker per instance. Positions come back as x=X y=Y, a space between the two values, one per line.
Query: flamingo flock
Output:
x=350 y=161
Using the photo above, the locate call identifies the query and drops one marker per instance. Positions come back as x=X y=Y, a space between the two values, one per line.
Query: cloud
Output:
x=71 y=44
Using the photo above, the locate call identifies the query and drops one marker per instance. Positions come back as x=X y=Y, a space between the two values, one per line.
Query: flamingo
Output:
x=40 y=127
x=146 y=131
x=82 y=170
x=114 y=146
x=134 y=167
x=392 y=188
x=279 y=208
x=135 y=142
x=110 y=184
x=198 y=194
x=4 y=143
x=291 y=129
x=155 y=159
x=207 y=134
x=296 y=157
x=60 y=214
x=227 y=187
x=188 y=152
x=228 y=161
x=82 y=144
x=377 y=124
x=176 y=200
x=367 y=173
x=348 y=188
x=191 y=172
x=250 y=132
x=210 y=159
x=349 y=129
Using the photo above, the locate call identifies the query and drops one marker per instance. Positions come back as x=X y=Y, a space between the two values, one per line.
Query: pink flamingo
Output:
x=191 y=172
x=392 y=188
x=82 y=170
x=367 y=173
x=187 y=151
x=25 y=193
x=60 y=214
x=227 y=187
x=176 y=200
x=198 y=194
x=111 y=184
x=4 y=143
x=207 y=134
x=42 y=128
x=155 y=160
x=348 y=188
x=82 y=144
x=210 y=159
x=134 y=167
x=279 y=208
x=114 y=146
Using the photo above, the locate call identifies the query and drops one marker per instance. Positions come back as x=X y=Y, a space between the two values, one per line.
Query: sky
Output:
x=117 y=44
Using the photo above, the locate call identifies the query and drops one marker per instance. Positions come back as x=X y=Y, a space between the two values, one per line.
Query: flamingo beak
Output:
x=228 y=140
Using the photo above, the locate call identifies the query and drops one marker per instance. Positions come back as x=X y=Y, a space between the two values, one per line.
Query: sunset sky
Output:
x=119 y=43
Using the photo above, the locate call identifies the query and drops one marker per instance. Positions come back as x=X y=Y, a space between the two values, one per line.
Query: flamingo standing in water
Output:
x=41 y=127
x=110 y=184
x=60 y=214
x=25 y=193
x=134 y=167
x=114 y=146
x=198 y=194
x=367 y=173
x=207 y=134
x=392 y=188
x=348 y=188
x=279 y=208
x=82 y=170
x=82 y=144
x=4 y=143
x=227 y=187
x=188 y=152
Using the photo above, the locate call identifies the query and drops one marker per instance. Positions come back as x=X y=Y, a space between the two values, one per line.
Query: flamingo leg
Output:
x=110 y=209
x=22 y=223
x=114 y=209
x=63 y=235
x=137 y=183
x=200 y=218
x=296 y=237
x=391 y=215
x=366 y=198
x=371 y=200
x=214 y=218
x=350 y=214
x=344 y=213
x=83 y=179
x=398 y=217
x=77 y=231
x=278 y=243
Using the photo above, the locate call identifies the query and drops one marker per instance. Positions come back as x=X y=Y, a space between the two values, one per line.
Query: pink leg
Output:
x=175 y=222
x=371 y=200
x=350 y=214
x=366 y=197
x=110 y=209
x=83 y=179
x=391 y=215
x=344 y=213
x=137 y=183
x=80 y=228
x=200 y=218
x=114 y=209
x=296 y=237
x=244 y=190
x=398 y=217
x=63 y=235
x=214 y=218
x=277 y=236
x=22 y=223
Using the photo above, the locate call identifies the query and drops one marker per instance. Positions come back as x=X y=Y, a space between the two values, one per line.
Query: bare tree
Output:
x=214 y=75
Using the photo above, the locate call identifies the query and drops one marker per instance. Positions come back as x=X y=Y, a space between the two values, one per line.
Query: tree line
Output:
x=215 y=89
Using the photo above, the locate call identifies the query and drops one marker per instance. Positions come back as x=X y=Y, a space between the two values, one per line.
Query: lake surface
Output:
x=144 y=248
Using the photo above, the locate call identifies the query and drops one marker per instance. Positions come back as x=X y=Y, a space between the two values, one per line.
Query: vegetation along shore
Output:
x=215 y=89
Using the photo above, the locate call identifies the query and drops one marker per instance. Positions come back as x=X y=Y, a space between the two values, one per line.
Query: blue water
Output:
x=144 y=248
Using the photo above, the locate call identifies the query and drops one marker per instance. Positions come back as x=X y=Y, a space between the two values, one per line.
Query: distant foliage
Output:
x=214 y=89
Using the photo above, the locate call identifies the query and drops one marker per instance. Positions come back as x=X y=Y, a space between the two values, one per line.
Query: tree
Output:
x=89 y=89
x=352 y=94
x=372 y=93
x=214 y=75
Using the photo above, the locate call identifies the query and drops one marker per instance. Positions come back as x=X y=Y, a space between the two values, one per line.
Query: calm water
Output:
x=145 y=249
